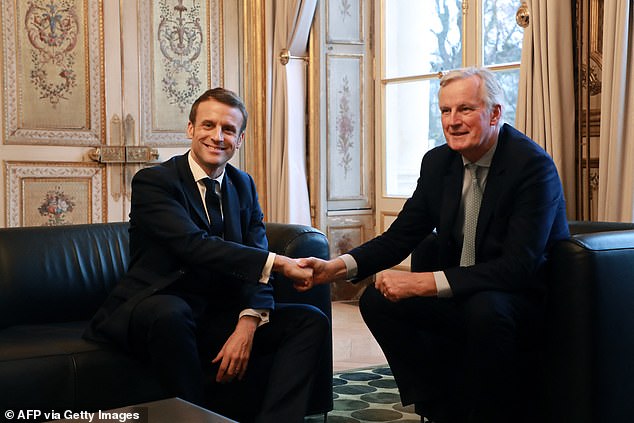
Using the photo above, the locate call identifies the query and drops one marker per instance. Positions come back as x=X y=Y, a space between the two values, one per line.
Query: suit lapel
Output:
x=190 y=187
x=494 y=187
x=231 y=210
x=450 y=203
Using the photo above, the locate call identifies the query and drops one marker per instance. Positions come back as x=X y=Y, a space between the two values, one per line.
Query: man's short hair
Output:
x=224 y=96
x=491 y=89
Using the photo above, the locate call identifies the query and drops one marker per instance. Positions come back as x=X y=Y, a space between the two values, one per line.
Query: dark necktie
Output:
x=471 y=211
x=213 y=207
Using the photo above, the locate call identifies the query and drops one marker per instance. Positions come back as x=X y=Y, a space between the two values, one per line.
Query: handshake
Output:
x=394 y=285
x=310 y=271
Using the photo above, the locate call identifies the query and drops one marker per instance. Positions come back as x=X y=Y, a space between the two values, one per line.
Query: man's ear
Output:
x=190 y=130
x=496 y=115
x=240 y=140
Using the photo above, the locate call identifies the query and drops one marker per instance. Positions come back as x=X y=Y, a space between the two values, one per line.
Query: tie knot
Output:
x=211 y=185
x=473 y=170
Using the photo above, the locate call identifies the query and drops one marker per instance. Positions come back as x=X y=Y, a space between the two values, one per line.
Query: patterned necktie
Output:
x=471 y=211
x=213 y=207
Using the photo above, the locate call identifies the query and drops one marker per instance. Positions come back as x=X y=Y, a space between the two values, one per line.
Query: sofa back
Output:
x=59 y=273
x=64 y=273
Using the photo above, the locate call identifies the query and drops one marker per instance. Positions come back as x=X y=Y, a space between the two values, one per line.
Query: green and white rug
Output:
x=367 y=395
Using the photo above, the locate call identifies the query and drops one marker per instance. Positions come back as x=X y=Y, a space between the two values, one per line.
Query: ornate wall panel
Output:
x=181 y=56
x=589 y=60
x=345 y=21
x=342 y=196
x=50 y=194
x=53 y=72
x=345 y=129
x=254 y=86
x=346 y=231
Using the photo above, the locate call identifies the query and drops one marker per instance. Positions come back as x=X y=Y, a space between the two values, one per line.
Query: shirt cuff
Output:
x=268 y=267
x=442 y=285
x=351 y=266
x=261 y=313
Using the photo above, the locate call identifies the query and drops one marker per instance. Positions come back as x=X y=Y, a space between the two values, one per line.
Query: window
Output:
x=420 y=39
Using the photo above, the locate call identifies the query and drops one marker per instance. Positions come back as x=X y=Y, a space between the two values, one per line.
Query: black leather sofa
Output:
x=588 y=353
x=53 y=279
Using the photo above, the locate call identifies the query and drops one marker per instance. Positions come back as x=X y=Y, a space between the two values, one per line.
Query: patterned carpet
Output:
x=367 y=395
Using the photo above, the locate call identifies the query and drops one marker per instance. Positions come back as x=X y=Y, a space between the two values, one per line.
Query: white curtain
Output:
x=616 y=155
x=288 y=187
x=546 y=102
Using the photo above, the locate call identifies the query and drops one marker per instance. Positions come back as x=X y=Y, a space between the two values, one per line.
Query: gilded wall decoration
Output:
x=47 y=194
x=180 y=38
x=595 y=64
x=588 y=65
x=180 y=57
x=53 y=72
x=52 y=30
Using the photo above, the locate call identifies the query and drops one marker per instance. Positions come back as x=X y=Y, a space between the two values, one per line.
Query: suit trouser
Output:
x=181 y=340
x=456 y=359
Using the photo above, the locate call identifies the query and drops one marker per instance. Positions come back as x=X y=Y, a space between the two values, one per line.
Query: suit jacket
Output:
x=170 y=242
x=521 y=215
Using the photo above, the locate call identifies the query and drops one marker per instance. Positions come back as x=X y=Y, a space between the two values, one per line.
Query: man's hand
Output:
x=397 y=285
x=290 y=268
x=324 y=271
x=235 y=353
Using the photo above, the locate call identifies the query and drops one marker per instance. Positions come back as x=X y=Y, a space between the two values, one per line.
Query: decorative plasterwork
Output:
x=22 y=179
x=180 y=57
x=53 y=72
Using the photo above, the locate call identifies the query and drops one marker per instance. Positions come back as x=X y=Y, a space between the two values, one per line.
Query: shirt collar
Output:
x=199 y=173
x=485 y=161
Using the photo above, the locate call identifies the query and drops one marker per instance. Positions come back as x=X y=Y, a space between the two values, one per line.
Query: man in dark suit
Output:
x=196 y=300
x=452 y=335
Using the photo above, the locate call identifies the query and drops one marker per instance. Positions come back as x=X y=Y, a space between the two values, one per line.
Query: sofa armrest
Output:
x=590 y=328
x=585 y=226
x=304 y=241
x=299 y=241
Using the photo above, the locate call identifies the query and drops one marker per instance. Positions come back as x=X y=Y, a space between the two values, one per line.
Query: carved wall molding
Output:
x=20 y=175
x=588 y=64
x=254 y=95
x=189 y=67
x=27 y=43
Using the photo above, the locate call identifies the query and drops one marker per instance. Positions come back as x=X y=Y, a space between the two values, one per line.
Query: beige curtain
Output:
x=546 y=102
x=288 y=187
x=616 y=154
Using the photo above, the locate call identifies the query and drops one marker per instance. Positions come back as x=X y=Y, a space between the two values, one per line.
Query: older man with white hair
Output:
x=452 y=334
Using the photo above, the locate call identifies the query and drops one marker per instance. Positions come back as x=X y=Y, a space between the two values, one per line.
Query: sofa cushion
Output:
x=63 y=368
